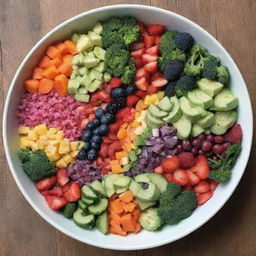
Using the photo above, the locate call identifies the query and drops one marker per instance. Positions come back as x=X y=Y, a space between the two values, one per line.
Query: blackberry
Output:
x=114 y=106
x=184 y=41
x=169 y=89
x=173 y=69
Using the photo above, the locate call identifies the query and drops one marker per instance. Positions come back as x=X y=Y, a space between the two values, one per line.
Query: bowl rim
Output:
x=7 y=102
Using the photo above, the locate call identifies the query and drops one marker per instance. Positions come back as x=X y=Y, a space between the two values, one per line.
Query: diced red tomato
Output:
x=155 y=29
x=132 y=100
x=112 y=136
x=72 y=192
x=104 y=150
x=62 y=177
x=114 y=127
x=107 y=140
x=113 y=148
x=55 y=202
x=46 y=183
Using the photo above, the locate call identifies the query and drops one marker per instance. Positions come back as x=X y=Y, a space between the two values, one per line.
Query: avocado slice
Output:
x=210 y=87
x=156 y=112
x=152 y=193
x=152 y=121
x=165 y=104
x=207 y=120
x=183 y=126
x=200 y=98
x=223 y=121
x=224 y=101
x=176 y=112
x=196 y=130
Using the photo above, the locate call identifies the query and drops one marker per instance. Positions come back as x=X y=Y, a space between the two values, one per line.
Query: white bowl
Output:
x=144 y=239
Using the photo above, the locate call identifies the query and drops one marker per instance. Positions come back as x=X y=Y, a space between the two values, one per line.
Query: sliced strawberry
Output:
x=154 y=50
x=138 y=53
x=158 y=169
x=160 y=82
x=168 y=176
x=151 y=67
x=203 y=198
x=187 y=160
x=201 y=169
x=234 y=135
x=100 y=96
x=142 y=27
x=158 y=40
x=149 y=58
x=193 y=179
x=136 y=46
x=55 y=191
x=180 y=177
x=142 y=84
x=148 y=41
x=62 y=177
x=132 y=100
x=202 y=187
x=115 y=82
x=213 y=184
x=112 y=136
x=114 y=127
x=55 y=202
x=141 y=94
x=139 y=63
x=99 y=161
x=72 y=192
x=152 y=89
x=170 y=164
x=156 y=76
x=155 y=29
x=140 y=73
x=126 y=114
x=113 y=148
x=104 y=150
x=46 y=183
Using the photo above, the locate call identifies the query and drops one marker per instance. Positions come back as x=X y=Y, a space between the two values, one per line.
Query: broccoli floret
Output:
x=184 y=41
x=196 y=60
x=150 y=220
x=220 y=175
x=210 y=68
x=185 y=84
x=169 y=89
x=171 y=191
x=119 y=30
x=69 y=209
x=223 y=75
x=36 y=164
x=129 y=72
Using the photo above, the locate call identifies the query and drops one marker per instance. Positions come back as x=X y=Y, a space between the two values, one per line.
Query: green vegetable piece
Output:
x=99 y=207
x=220 y=175
x=98 y=29
x=82 y=97
x=102 y=223
x=69 y=209
x=150 y=220
x=83 y=221
x=99 y=53
x=83 y=43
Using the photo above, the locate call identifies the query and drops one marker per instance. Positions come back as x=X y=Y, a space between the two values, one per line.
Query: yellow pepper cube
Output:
x=53 y=143
x=59 y=135
x=147 y=100
x=73 y=154
x=24 y=142
x=61 y=163
x=74 y=145
x=43 y=139
x=51 y=134
x=41 y=129
x=32 y=135
x=160 y=95
x=67 y=158
x=64 y=147
x=53 y=157
x=40 y=145
x=24 y=130
x=51 y=149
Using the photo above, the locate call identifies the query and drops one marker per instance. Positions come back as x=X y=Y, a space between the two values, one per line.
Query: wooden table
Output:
x=232 y=232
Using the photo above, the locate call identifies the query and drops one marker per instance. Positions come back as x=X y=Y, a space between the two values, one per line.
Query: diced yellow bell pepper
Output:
x=61 y=163
x=33 y=145
x=74 y=145
x=59 y=135
x=160 y=95
x=51 y=149
x=81 y=144
x=41 y=129
x=53 y=157
x=74 y=153
x=32 y=135
x=67 y=158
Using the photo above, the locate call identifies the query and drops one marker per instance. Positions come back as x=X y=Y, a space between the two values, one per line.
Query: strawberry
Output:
x=55 y=191
x=160 y=82
x=113 y=148
x=156 y=76
x=107 y=140
x=203 y=198
x=138 y=53
x=132 y=100
x=114 y=127
x=84 y=123
x=152 y=89
x=112 y=136
x=168 y=176
x=115 y=82
x=187 y=160
x=99 y=161
x=55 y=202
x=213 y=185
x=62 y=177
x=136 y=46
x=155 y=29
x=91 y=117
x=193 y=179
x=158 y=40
x=170 y=164
x=142 y=27
x=158 y=169
x=234 y=135
x=142 y=84
x=201 y=169
x=141 y=94
x=100 y=96
x=103 y=150
x=154 y=50
x=202 y=187
x=140 y=73
x=149 y=57
x=46 y=183
x=151 y=67
x=187 y=187
x=72 y=192
x=139 y=63
x=148 y=41
x=180 y=177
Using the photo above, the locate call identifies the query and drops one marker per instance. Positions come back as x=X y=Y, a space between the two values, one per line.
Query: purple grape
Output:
x=210 y=138
x=201 y=137
x=226 y=145
x=194 y=151
x=206 y=145
x=197 y=143
x=218 y=139
x=200 y=152
x=218 y=149
x=186 y=145
x=179 y=148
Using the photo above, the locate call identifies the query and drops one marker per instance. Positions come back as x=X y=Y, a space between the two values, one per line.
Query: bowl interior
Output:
x=82 y=23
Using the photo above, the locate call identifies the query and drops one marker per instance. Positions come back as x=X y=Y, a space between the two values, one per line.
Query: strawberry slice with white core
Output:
x=151 y=67
x=142 y=84
x=149 y=58
x=160 y=82
x=138 y=53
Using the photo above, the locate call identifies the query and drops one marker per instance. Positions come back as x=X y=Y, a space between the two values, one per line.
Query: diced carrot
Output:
x=67 y=58
x=45 y=62
x=61 y=48
x=126 y=197
x=117 y=232
x=55 y=62
x=53 y=52
x=114 y=224
x=115 y=217
x=71 y=47
x=130 y=207
x=120 y=155
x=117 y=206
x=66 y=69
x=37 y=73
x=137 y=228
x=128 y=147
x=31 y=85
x=50 y=72
x=115 y=166
x=136 y=214
x=45 y=85
x=127 y=223
x=61 y=85
x=122 y=133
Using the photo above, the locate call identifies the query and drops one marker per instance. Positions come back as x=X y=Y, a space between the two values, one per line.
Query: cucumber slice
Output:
x=99 y=53
x=82 y=97
x=121 y=190
x=98 y=188
x=100 y=67
x=158 y=180
x=82 y=205
x=183 y=126
x=83 y=43
x=165 y=104
x=122 y=182
x=98 y=208
x=108 y=182
x=102 y=223
x=134 y=187
x=106 y=77
x=88 y=193
x=87 y=201
x=127 y=167
x=83 y=221
x=98 y=29
x=145 y=205
x=152 y=193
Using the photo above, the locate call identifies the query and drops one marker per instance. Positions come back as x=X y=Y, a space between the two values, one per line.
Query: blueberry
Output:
x=96 y=131
x=90 y=125
x=103 y=129
x=87 y=135
x=92 y=155
x=96 y=138
x=99 y=113
x=95 y=145
x=87 y=146
x=96 y=122
x=118 y=92
x=81 y=155
x=107 y=118
x=184 y=41
x=131 y=89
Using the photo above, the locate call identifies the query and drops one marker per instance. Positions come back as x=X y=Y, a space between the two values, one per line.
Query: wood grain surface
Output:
x=232 y=232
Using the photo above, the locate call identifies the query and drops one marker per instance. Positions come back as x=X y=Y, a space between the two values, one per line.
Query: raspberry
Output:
x=187 y=160
x=234 y=135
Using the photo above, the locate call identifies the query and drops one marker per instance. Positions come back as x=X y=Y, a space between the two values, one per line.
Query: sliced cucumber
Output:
x=83 y=221
x=145 y=205
x=98 y=208
x=98 y=188
x=121 y=190
x=102 y=223
x=108 y=183
x=88 y=193
x=82 y=205
x=134 y=187
x=87 y=201
x=158 y=180
x=122 y=182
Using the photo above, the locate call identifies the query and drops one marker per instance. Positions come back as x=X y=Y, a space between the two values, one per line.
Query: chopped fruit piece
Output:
x=149 y=58
x=201 y=169
x=62 y=177
x=170 y=164
x=142 y=27
x=203 y=198
x=213 y=184
x=148 y=41
x=180 y=177
x=115 y=82
x=154 y=50
x=140 y=73
x=136 y=46
x=152 y=89
x=193 y=179
x=142 y=84
x=55 y=191
x=158 y=169
x=187 y=160
x=137 y=53
x=234 y=135
x=72 y=192
x=46 y=183
x=139 y=63
x=169 y=177
x=202 y=187
x=160 y=82
x=158 y=40
x=55 y=202
x=132 y=100
x=151 y=67
x=155 y=29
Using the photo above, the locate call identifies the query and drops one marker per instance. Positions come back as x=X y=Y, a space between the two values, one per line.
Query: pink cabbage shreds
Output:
x=53 y=110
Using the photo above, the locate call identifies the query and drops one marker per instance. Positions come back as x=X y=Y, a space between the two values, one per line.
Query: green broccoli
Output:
x=171 y=191
x=122 y=30
x=69 y=209
x=223 y=75
x=220 y=175
x=36 y=164
x=185 y=84
x=209 y=70
x=129 y=72
x=150 y=220
x=196 y=60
